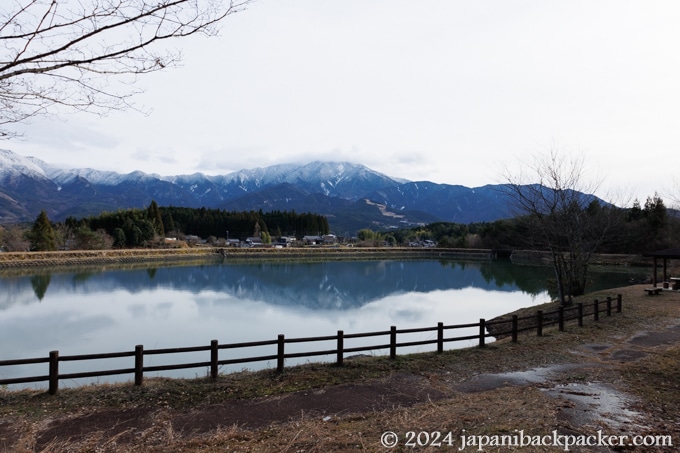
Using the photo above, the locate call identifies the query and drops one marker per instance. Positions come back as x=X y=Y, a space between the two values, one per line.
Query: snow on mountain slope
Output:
x=334 y=179
x=12 y=164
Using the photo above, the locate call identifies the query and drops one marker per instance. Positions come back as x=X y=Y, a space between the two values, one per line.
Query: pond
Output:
x=95 y=311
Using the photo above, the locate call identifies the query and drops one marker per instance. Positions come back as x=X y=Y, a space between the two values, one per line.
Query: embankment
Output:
x=134 y=256
x=18 y=260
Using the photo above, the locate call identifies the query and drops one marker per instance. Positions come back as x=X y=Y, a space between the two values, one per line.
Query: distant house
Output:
x=192 y=239
x=285 y=241
x=329 y=239
x=254 y=241
x=312 y=240
x=326 y=239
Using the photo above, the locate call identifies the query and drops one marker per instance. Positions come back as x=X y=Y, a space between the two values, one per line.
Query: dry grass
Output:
x=653 y=380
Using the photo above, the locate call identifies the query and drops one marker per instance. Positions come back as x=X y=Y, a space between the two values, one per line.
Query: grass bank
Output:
x=170 y=256
x=9 y=260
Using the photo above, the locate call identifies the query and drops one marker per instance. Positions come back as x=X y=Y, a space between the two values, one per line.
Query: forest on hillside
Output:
x=638 y=229
x=149 y=227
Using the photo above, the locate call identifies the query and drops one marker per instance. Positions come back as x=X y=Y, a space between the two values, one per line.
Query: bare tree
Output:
x=561 y=214
x=13 y=238
x=68 y=52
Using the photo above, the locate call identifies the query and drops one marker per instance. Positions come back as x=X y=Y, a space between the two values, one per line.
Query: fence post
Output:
x=341 y=347
x=214 y=354
x=539 y=323
x=393 y=342
x=514 y=328
x=440 y=337
x=279 y=354
x=580 y=314
x=54 y=372
x=596 y=310
x=139 y=364
x=609 y=306
x=618 y=303
x=482 y=332
x=560 y=317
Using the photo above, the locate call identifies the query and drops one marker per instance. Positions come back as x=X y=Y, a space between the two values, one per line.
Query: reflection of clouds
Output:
x=408 y=315
x=322 y=286
x=16 y=291
x=166 y=315
x=162 y=310
x=111 y=321
x=21 y=337
x=137 y=310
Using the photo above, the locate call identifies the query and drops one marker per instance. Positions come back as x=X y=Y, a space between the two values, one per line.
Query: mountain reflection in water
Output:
x=323 y=285
x=99 y=311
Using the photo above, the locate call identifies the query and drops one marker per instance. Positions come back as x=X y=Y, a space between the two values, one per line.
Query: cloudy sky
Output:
x=441 y=90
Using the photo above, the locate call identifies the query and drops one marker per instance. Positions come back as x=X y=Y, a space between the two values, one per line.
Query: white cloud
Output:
x=441 y=90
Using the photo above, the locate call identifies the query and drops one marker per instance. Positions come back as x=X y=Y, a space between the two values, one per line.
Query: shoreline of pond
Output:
x=32 y=260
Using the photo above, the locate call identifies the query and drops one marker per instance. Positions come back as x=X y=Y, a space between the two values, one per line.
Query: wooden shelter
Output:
x=665 y=255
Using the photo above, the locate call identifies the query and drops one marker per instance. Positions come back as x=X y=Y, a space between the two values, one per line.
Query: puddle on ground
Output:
x=595 y=403
x=486 y=381
x=589 y=403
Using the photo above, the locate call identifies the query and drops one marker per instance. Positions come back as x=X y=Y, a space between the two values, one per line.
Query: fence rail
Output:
x=499 y=328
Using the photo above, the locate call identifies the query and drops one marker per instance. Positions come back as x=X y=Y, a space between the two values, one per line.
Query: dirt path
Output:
x=588 y=402
x=574 y=397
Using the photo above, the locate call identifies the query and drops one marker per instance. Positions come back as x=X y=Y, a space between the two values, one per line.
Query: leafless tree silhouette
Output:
x=559 y=213
x=85 y=55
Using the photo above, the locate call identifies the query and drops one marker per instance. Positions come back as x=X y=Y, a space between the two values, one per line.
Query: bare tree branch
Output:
x=562 y=215
x=65 y=52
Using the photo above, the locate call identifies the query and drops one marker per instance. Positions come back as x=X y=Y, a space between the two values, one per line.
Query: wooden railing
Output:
x=498 y=328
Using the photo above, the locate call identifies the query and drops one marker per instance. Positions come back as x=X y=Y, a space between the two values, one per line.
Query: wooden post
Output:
x=618 y=303
x=514 y=328
x=580 y=314
x=340 y=347
x=54 y=372
x=214 y=358
x=609 y=306
x=139 y=364
x=482 y=332
x=393 y=342
x=539 y=323
x=560 y=318
x=596 y=310
x=280 y=354
x=440 y=337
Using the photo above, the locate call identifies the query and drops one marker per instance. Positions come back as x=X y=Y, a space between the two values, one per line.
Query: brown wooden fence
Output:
x=499 y=328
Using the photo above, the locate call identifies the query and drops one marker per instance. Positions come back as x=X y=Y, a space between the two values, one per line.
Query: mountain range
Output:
x=351 y=196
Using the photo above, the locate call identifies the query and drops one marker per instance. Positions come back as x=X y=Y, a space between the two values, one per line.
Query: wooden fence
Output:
x=509 y=327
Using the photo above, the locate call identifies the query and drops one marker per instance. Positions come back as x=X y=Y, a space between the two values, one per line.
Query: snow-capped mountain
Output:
x=352 y=196
x=12 y=166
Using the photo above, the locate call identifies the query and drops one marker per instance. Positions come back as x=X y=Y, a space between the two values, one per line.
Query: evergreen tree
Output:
x=119 y=238
x=42 y=236
x=156 y=218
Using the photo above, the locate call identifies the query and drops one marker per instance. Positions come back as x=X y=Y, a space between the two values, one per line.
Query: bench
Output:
x=653 y=291
x=675 y=283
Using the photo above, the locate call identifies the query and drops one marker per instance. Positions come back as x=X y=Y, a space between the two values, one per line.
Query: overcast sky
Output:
x=441 y=90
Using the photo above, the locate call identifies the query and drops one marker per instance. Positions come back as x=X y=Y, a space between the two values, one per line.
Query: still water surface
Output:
x=114 y=310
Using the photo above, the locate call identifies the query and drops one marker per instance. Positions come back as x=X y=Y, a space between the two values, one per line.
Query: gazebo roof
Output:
x=667 y=253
